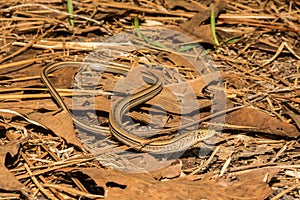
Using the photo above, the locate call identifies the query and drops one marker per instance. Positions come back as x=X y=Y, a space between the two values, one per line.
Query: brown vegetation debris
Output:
x=243 y=67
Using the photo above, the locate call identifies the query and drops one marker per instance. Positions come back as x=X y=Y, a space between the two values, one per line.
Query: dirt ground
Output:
x=222 y=117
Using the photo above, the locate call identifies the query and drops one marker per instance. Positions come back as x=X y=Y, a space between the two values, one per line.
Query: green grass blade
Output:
x=146 y=39
x=70 y=11
x=213 y=25
x=137 y=27
x=187 y=47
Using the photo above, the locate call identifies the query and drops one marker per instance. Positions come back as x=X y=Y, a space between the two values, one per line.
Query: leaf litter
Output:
x=256 y=156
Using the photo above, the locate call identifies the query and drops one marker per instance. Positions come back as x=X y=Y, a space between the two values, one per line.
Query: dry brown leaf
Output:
x=262 y=122
x=196 y=20
x=254 y=151
x=178 y=61
x=204 y=33
x=102 y=104
x=157 y=120
x=10 y=183
x=64 y=77
x=147 y=162
x=171 y=4
x=168 y=101
x=133 y=81
x=169 y=172
x=235 y=79
x=258 y=174
x=108 y=82
x=61 y=124
x=293 y=115
x=193 y=25
x=118 y=185
x=21 y=106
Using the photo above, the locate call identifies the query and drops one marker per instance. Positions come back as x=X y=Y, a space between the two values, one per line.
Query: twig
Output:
x=225 y=166
x=285 y=191
x=279 y=50
x=28 y=45
x=199 y=168
x=73 y=191
x=36 y=182
x=54 y=10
